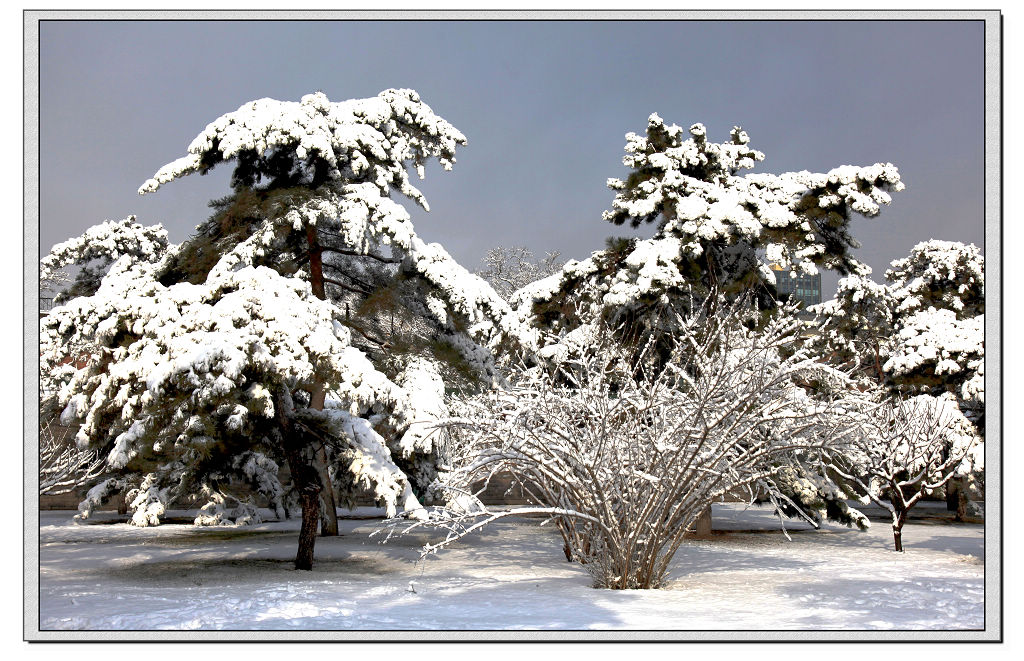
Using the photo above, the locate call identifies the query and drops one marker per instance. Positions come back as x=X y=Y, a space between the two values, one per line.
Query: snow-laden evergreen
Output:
x=921 y=332
x=192 y=370
x=946 y=275
x=260 y=341
x=315 y=140
x=856 y=327
x=715 y=228
x=345 y=158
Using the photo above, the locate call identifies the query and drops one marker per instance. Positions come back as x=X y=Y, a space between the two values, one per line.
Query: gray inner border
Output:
x=993 y=254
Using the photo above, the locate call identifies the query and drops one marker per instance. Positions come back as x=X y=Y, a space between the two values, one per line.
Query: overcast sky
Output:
x=544 y=105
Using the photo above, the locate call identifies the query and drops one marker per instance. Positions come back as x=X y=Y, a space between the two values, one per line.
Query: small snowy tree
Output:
x=908 y=449
x=625 y=452
x=510 y=269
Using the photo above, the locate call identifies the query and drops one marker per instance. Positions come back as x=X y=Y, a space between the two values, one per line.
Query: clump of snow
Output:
x=357 y=140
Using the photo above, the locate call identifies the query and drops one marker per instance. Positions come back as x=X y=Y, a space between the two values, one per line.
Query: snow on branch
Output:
x=366 y=140
x=97 y=248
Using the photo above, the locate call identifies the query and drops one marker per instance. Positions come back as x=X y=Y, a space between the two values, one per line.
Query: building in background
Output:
x=801 y=288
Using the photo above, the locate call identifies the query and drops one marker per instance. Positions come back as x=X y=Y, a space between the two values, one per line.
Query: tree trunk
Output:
x=961 y=506
x=899 y=517
x=306 y=481
x=952 y=494
x=702 y=525
x=307 y=533
x=897 y=535
x=328 y=504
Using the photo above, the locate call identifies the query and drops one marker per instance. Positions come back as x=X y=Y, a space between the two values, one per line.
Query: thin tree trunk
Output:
x=961 y=506
x=328 y=504
x=307 y=533
x=899 y=517
x=897 y=531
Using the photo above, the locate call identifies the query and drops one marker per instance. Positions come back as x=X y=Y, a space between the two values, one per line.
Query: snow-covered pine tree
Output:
x=938 y=294
x=922 y=331
x=227 y=355
x=93 y=252
x=715 y=230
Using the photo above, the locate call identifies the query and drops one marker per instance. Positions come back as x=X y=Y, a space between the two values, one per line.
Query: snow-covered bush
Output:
x=63 y=467
x=907 y=449
x=625 y=451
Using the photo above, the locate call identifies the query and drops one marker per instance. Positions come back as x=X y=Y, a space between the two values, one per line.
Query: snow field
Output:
x=513 y=576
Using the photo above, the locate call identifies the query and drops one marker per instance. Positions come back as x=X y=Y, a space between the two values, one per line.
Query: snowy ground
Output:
x=745 y=577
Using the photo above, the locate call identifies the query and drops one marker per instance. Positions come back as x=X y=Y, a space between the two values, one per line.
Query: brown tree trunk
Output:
x=307 y=482
x=702 y=525
x=328 y=503
x=898 y=519
x=961 y=506
x=307 y=533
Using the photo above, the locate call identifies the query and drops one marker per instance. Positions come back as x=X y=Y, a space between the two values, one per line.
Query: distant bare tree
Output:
x=510 y=269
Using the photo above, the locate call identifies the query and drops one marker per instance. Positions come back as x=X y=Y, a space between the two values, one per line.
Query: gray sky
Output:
x=544 y=105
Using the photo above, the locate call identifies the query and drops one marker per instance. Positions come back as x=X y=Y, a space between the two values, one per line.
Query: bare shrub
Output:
x=624 y=449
